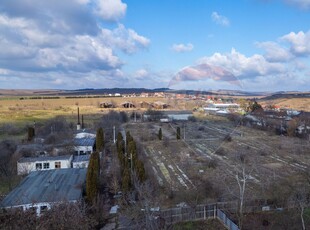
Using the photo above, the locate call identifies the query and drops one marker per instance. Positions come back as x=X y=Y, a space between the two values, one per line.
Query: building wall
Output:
x=80 y=164
x=83 y=150
x=27 y=167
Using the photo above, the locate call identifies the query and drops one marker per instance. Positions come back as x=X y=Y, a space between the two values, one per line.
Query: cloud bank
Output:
x=283 y=59
x=46 y=38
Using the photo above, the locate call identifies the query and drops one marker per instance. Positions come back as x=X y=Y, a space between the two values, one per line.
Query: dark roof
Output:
x=81 y=158
x=48 y=186
x=171 y=112
x=84 y=141
x=44 y=158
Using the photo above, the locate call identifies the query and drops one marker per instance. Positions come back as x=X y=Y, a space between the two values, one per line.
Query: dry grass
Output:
x=14 y=110
x=290 y=103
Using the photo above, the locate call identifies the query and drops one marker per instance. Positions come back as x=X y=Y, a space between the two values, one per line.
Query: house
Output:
x=166 y=116
x=80 y=161
x=159 y=94
x=84 y=145
x=85 y=134
x=26 y=165
x=40 y=190
x=178 y=115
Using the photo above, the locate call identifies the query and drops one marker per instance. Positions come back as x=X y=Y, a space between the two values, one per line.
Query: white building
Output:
x=26 y=165
x=81 y=161
x=84 y=143
x=84 y=134
x=41 y=190
x=84 y=146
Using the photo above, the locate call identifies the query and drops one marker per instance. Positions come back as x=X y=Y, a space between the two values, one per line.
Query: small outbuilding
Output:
x=106 y=105
x=128 y=104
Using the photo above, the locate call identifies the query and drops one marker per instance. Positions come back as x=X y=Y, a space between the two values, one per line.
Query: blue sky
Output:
x=252 y=45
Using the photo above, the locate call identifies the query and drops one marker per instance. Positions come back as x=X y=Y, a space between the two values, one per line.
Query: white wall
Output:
x=85 y=149
x=81 y=164
x=27 y=167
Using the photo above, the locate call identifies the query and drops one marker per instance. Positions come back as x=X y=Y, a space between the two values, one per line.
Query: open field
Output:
x=289 y=103
x=25 y=111
x=204 y=154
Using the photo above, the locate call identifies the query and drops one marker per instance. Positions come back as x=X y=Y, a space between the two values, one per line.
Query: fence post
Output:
x=215 y=209
x=204 y=212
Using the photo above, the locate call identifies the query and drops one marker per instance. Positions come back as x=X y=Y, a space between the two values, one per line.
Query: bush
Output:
x=212 y=163
x=220 y=151
x=192 y=118
x=228 y=138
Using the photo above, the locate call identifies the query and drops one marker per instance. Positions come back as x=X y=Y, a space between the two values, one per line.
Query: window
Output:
x=46 y=165
x=38 y=166
x=57 y=165
x=82 y=153
x=43 y=209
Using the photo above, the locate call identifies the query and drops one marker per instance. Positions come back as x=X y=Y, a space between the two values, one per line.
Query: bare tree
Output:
x=241 y=174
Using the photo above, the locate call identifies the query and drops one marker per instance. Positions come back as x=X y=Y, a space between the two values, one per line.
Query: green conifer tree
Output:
x=100 y=139
x=178 y=133
x=160 y=134
x=92 y=178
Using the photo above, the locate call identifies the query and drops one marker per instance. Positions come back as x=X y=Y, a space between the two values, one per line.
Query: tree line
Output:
x=130 y=164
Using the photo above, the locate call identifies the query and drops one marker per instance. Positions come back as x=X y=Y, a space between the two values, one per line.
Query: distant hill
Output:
x=92 y=91
x=289 y=100
x=287 y=95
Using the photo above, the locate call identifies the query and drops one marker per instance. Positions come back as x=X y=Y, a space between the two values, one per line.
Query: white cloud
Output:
x=141 y=74
x=274 y=52
x=124 y=39
x=111 y=10
x=244 y=67
x=220 y=19
x=201 y=72
x=300 y=43
x=182 y=47
x=57 y=43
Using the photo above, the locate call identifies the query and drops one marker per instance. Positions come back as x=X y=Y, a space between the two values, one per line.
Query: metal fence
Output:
x=199 y=212
x=228 y=222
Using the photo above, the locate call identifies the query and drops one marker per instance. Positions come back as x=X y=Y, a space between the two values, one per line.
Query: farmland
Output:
x=207 y=155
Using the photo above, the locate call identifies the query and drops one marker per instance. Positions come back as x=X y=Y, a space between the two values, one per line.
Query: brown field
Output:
x=181 y=165
x=15 y=110
x=290 y=103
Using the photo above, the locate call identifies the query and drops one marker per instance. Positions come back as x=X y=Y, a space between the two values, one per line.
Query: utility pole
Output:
x=114 y=134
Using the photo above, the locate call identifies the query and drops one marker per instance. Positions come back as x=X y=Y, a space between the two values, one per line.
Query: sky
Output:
x=248 y=45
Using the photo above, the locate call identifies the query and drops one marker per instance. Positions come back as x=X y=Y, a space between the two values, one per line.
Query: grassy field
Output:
x=290 y=103
x=17 y=111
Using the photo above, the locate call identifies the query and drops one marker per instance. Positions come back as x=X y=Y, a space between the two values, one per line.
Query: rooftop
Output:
x=47 y=186
x=81 y=158
x=44 y=158
x=84 y=141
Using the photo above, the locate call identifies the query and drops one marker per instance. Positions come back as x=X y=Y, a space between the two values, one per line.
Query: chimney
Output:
x=78 y=126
